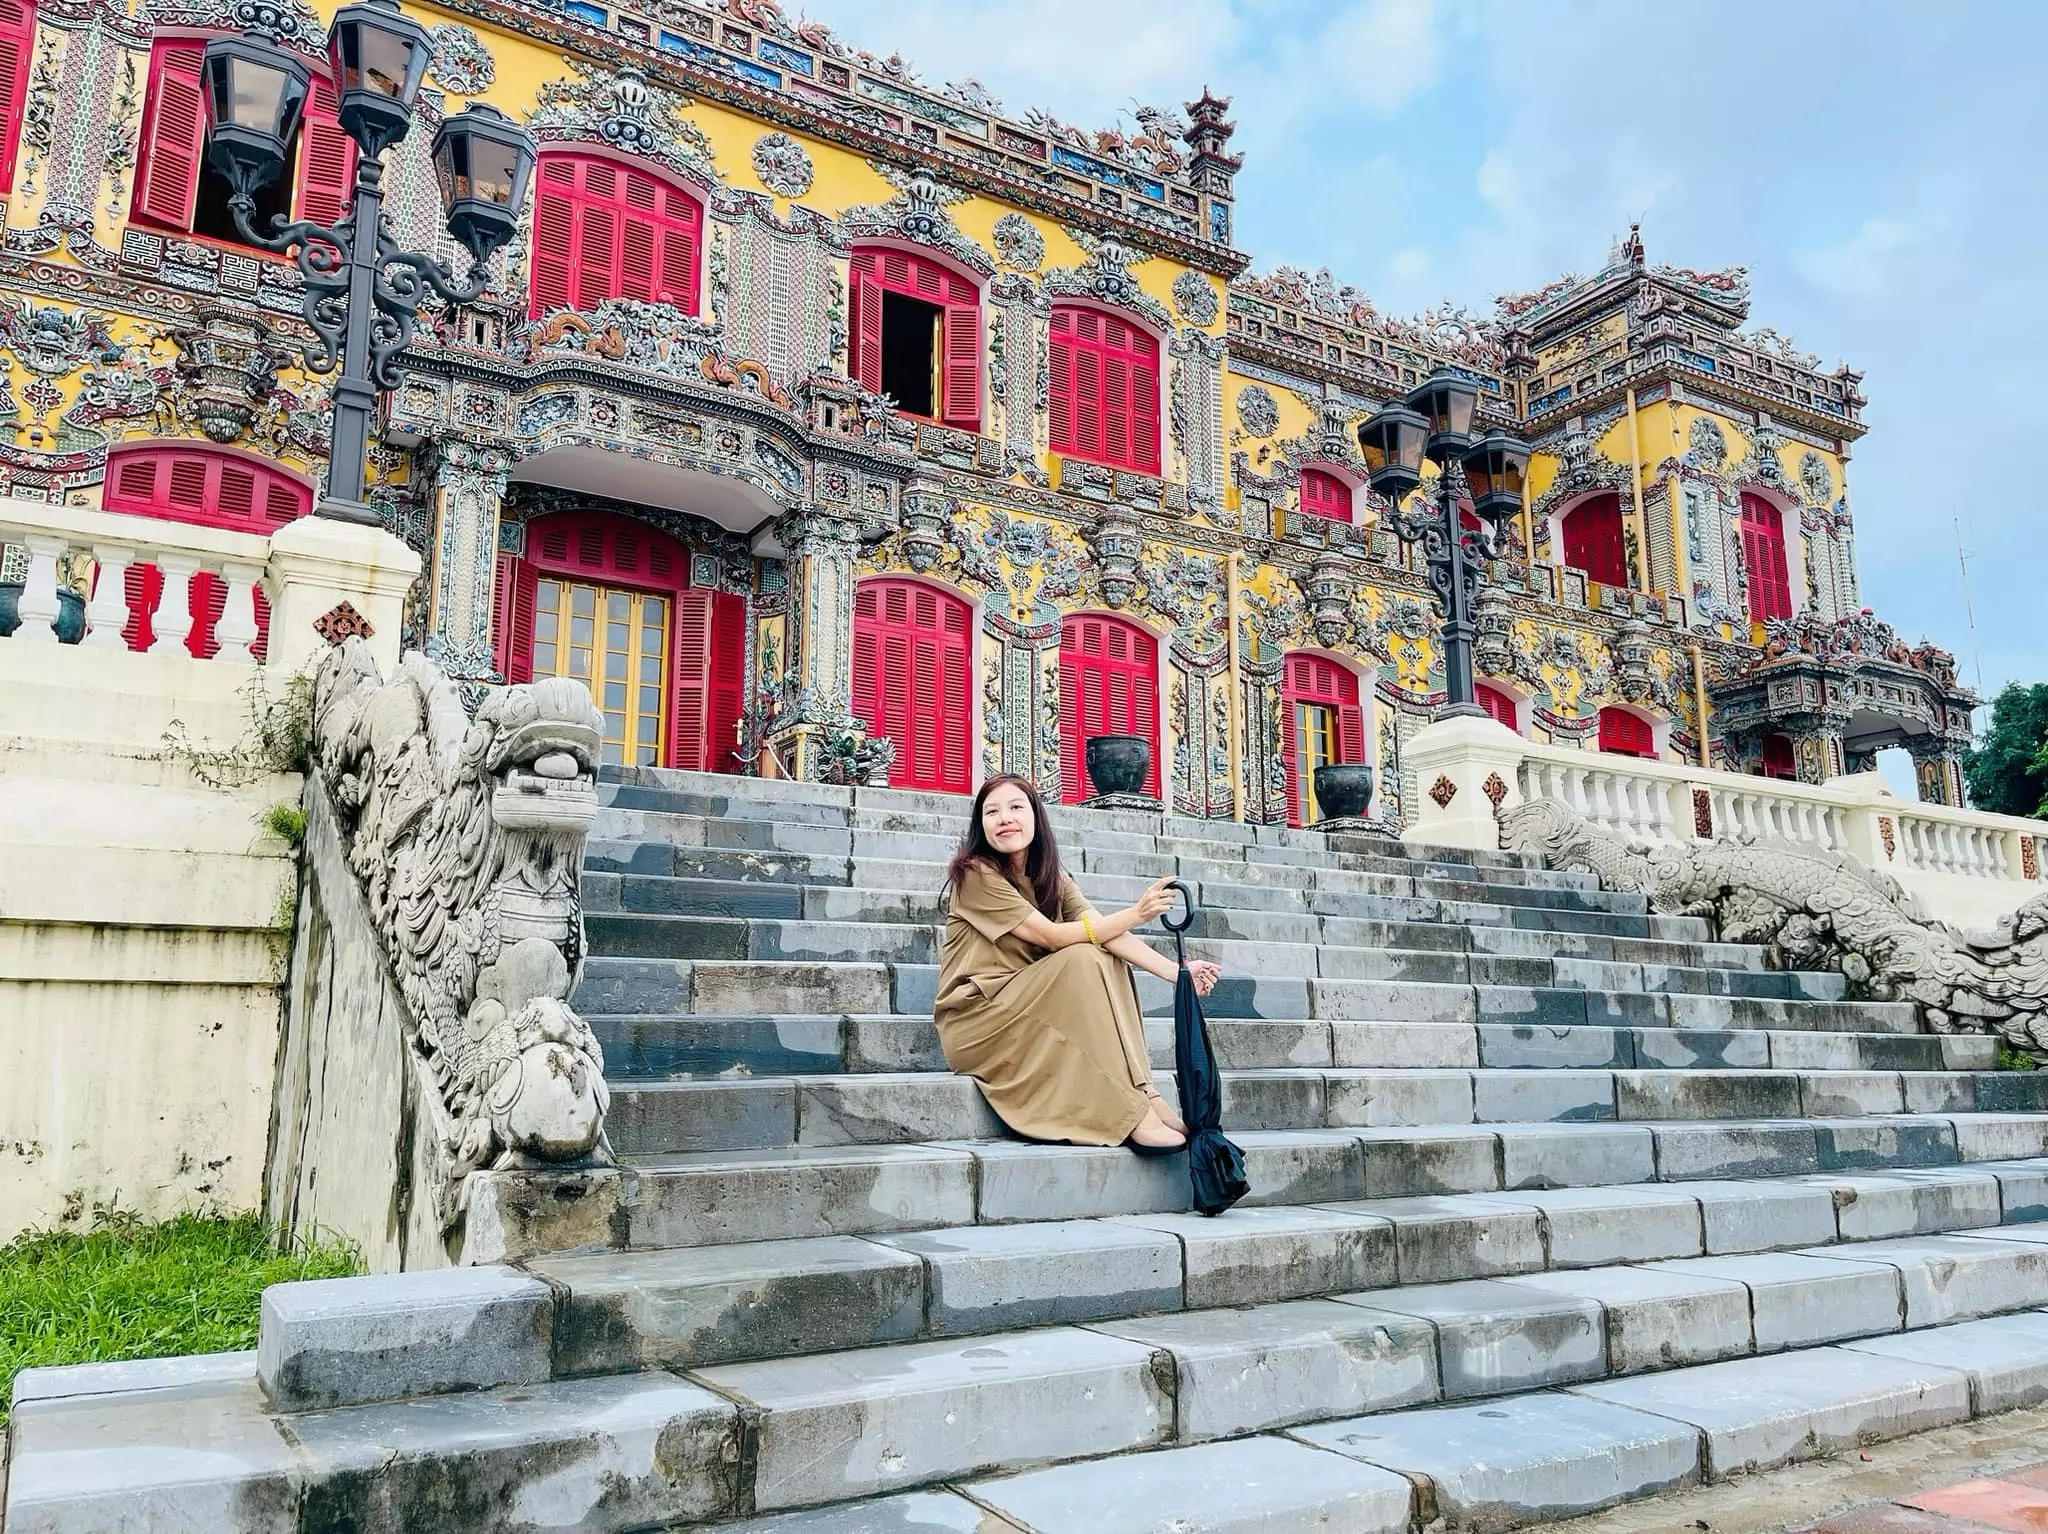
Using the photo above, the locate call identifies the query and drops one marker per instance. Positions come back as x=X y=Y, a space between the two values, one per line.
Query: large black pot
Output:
x=70 y=613
x=1343 y=790
x=1118 y=764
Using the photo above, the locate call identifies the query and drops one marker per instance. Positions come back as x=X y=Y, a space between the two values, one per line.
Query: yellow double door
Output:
x=615 y=643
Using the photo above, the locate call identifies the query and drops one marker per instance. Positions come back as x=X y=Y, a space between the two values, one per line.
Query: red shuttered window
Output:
x=1105 y=389
x=942 y=373
x=1626 y=734
x=604 y=229
x=17 y=42
x=209 y=487
x=1779 y=761
x=1325 y=495
x=1498 y=705
x=912 y=661
x=176 y=189
x=1322 y=725
x=1593 y=540
x=710 y=679
x=1109 y=685
x=1763 y=560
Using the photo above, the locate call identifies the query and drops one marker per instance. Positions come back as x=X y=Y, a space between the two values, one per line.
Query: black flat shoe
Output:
x=1143 y=1149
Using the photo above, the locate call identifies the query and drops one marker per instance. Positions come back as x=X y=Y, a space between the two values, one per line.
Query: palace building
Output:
x=817 y=404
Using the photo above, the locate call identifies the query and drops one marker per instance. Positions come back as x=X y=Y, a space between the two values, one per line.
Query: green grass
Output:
x=135 y=1290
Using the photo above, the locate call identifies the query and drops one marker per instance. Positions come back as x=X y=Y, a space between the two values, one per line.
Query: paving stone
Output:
x=1021 y=1181
x=840 y=1425
x=1442 y=1240
x=893 y=1109
x=1543 y=1096
x=1498 y=1465
x=777 y=1195
x=1570 y=1156
x=661 y=1116
x=2006 y=1358
x=1521 y=1046
x=1842 y=1094
x=1412 y=1046
x=57 y=1382
x=1799 y=1302
x=1251 y=1256
x=1381 y=1001
x=1692 y=1048
x=1691 y=1151
x=2022 y=1187
x=2000 y=1136
x=1959 y=1278
x=1657 y=1318
x=1939 y=1092
x=1495 y=1336
x=1697 y=1094
x=1759 y=1412
x=1761 y=1216
x=1592 y=1227
x=1376 y=1099
x=1863 y=1145
x=986 y=1277
x=1428 y=1159
x=1244 y=1371
x=1255 y=1486
x=705 y=1305
x=343 y=1341
x=917 y=1512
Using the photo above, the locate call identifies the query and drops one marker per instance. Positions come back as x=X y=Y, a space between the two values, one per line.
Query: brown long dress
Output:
x=1053 y=1037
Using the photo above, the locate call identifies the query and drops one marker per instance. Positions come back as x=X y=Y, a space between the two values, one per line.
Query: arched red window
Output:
x=604 y=229
x=175 y=186
x=1323 y=494
x=1105 y=389
x=607 y=601
x=912 y=660
x=1763 y=557
x=1109 y=685
x=208 y=487
x=17 y=43
x=1321 y=725
x=1498 y=705
x=1779 y=761
x=1593 y=541
x=1626 y=734
x=917 y=335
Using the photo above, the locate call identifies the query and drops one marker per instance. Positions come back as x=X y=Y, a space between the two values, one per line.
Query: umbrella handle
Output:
x=1178 y=928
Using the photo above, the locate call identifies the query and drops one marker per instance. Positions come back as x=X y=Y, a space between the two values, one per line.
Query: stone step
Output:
x=898 y=1108
x=708 y=1198
x=660 y=1046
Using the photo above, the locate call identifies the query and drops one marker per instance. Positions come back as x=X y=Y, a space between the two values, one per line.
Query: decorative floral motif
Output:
x=1709 y=446
x=917 y=212
x=783 y=166
x=2030 y=858
x=1702 y=814
x=625 y=111
x=342 y=621
x=1257 y=411
x=1195 y=297
x=1018 y=242
x=1884 y=830
x=1494 y=789
x=1816 y=478
x=462 y=64
x=1443 y=791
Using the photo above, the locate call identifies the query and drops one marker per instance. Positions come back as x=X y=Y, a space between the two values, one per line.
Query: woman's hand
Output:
x=1155 y=902
x=1205 y=975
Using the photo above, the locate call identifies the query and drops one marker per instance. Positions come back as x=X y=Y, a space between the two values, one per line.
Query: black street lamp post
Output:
x=363 y=292
x=1435 y=422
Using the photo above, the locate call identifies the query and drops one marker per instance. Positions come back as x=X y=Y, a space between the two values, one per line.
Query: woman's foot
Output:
x=1154 y=1135
x=1167 y=1116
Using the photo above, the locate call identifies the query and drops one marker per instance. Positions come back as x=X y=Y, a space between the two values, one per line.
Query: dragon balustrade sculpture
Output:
x=1815 y=910
x=467 y=837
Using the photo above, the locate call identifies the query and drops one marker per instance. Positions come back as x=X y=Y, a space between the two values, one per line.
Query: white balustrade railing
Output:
x=1967 y=865
x=101 y=549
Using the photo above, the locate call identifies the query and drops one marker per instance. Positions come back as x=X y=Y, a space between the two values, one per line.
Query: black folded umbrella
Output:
x=1215 y=1166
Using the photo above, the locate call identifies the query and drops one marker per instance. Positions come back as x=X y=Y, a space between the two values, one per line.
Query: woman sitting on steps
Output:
x=1036 y=1000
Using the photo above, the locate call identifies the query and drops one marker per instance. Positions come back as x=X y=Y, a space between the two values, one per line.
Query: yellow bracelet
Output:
x=1088 y=927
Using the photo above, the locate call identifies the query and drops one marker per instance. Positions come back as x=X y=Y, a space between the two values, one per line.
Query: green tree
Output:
x=2007 y=773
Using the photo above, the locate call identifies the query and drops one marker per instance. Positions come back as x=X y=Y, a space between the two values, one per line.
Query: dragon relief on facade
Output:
x=467 y=839
x=1815 y=910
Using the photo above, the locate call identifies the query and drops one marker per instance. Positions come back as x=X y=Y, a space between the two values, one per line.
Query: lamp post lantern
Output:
x=363 y=292
x=1435 y=422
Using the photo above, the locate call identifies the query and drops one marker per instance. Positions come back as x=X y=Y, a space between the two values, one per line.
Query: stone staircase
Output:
x=1555 y=1203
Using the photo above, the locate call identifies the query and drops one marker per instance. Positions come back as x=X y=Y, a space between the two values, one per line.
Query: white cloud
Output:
x=1872 y=262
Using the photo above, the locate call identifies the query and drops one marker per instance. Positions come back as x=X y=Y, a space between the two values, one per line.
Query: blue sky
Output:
x=1875 y=163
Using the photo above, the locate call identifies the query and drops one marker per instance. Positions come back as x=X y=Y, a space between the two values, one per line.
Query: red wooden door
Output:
x=1497 y=704
x=1593 y=540
x=17 y=41
x=1779 y=760
x=1325 y=495
x=1104 y=389
x=1109 y=685
x=912 y=663
x=1315 y=682
x=880 y=270
x=1626 y=734
x=1763 y=558
x=603 y=229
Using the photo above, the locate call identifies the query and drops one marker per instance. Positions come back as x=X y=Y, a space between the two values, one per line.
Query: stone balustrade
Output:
x=1967 y=867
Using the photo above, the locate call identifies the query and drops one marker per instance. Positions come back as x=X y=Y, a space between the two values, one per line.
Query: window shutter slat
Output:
x=911 y=662
x=1111 y=409
x=1109 y=685
x=963 y=367
x=17 y=43
x=168 y=183
x=691 y=679
x=867 y=327
x=603 y=231
x=327 y=159
x=728 y=670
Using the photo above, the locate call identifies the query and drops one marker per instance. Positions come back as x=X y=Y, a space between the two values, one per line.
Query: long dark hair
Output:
x=1041 y=859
